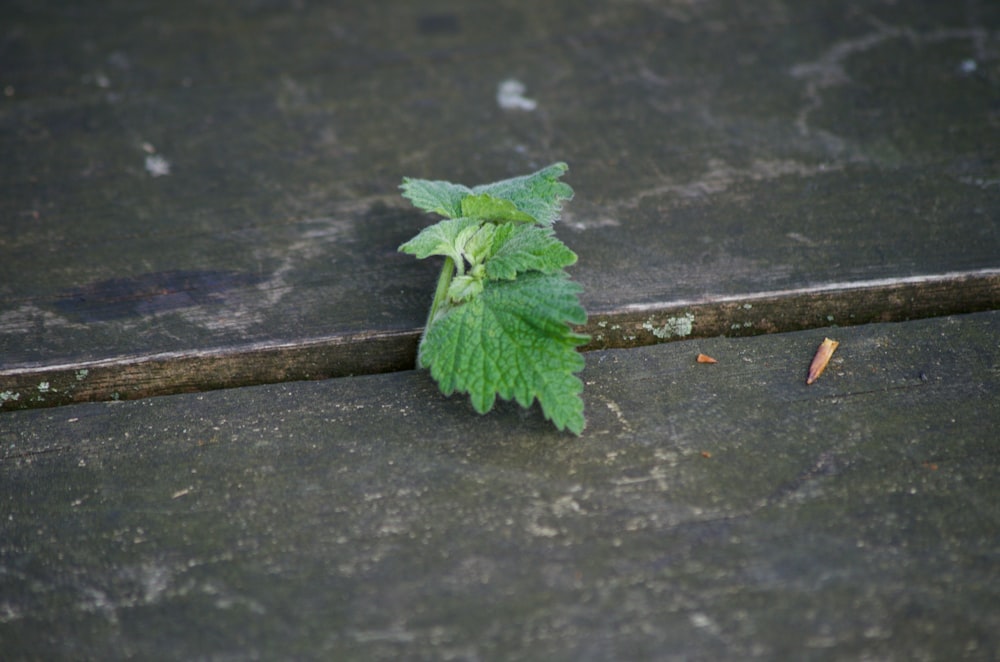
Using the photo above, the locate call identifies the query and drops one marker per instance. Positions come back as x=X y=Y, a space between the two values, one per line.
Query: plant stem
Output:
x=440 y=296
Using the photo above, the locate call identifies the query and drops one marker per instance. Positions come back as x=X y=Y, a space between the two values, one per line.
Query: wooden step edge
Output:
x=633 y=325
x=779 y=311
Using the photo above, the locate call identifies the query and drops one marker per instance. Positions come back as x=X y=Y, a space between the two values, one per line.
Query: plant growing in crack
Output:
x=500 y=320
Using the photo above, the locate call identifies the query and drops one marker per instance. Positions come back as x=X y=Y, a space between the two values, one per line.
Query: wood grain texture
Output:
x=722 y=511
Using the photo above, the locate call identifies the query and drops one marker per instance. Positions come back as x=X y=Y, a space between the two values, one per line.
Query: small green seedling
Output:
x=499 y=322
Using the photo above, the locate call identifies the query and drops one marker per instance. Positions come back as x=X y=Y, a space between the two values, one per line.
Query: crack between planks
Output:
x=631 y=325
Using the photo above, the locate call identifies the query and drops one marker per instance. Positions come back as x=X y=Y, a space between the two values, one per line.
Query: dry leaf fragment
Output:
x=705 y=358
x=819 y=361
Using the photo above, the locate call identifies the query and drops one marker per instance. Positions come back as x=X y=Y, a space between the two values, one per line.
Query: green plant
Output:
x=499 y=322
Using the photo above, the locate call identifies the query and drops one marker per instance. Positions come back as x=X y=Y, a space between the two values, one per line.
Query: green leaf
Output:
x=463 y=288
x=445 y=237
x=500 y=320
x=540 y=194
x=538 y=197
x=491 y=208
x=438 y=197
x=519 y=248
x=513 y=340
x=480 y=244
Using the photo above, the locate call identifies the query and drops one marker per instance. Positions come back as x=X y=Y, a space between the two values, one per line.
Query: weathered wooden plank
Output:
x=130 y=377
x=721 y=511
x=172 y=185
x=633 y=325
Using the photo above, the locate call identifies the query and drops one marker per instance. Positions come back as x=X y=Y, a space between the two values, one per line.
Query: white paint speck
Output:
x=801 y=238
x=968 y=66
x=157 y=166
x=617 y=411
x=510 y=96
x=700 y=620
x=540 y=531
x=565 y=505
x=590 y=224
x=704 y=622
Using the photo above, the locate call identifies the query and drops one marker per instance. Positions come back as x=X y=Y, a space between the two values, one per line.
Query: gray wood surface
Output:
x=181 y=185
x=723 y=512
x=203 y=195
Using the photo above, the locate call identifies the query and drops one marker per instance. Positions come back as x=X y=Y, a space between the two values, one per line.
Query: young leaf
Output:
x=513 y=340
x=519 y=248
x=480 y=244
x=443 y=238
x=463 y=288
x=540 y=194
x=438 y=197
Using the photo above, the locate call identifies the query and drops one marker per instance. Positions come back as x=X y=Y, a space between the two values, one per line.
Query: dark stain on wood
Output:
x=149 y=294
x=438 y=24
